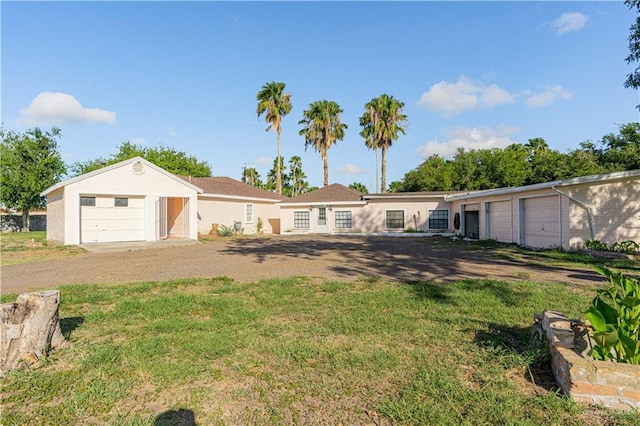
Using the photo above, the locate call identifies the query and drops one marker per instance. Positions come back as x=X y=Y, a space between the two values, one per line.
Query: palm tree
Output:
x=381 y=123
x=275 y=104
x=322 y=128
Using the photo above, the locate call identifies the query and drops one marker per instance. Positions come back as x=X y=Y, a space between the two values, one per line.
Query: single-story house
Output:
x=137 y=200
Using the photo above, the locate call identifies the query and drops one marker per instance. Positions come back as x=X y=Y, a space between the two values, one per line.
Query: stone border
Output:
x=613 y=385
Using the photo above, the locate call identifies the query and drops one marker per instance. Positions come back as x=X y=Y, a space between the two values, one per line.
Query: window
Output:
x=88 y=201
x=121 y=202
x=301 y=220
x=343 y=220
x=395 y=219
x=248 y=213
x=438 y=219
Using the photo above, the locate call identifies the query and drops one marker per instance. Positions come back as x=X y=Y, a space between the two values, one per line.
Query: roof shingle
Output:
x=227 y=186
x=332 y=193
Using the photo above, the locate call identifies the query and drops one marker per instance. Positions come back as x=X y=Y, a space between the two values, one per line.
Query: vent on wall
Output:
x=138 y=168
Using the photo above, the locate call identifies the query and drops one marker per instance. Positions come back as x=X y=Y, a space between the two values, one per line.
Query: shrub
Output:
x=629 y=247
x=615 y=319
x=226 y=231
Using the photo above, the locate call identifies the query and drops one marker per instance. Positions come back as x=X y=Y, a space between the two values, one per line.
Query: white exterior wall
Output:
x=122 y=181
x=223 y=211
x=288 y=223
x=55 y=216
x=372 y=218
x=616 y=211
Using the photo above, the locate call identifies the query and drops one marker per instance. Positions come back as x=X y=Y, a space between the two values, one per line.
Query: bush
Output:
x=629 y=247
x=226 y=231
x=615 y=319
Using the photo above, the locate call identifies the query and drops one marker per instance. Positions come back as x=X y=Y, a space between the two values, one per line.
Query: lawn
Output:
x=25 y=247
x=301 y=351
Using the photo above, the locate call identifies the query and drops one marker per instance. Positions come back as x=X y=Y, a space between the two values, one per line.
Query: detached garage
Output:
x=134 y=200
x=563 y=213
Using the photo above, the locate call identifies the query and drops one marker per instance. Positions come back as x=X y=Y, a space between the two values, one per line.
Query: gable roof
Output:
x=116 y=166
x=334 y=193
x=228 y=187
x=544 y=185
x=407 y=195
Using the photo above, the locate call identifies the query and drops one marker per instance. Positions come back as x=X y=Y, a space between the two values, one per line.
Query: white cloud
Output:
x=549 y=95
x=455 y=98
x=350 y=169
x=569 y=22
x=57 y=108
x=171 y=131
x=468 y=138
x=264 y=161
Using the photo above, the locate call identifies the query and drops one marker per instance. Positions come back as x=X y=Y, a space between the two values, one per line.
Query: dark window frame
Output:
x=87 y=201
x=438 y=219
x=393 y=222
x=120 y=202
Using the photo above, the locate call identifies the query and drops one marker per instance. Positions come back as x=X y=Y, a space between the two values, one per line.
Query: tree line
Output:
x=524 y=164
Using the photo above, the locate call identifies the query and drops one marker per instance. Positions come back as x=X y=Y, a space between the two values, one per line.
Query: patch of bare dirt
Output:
x=249 y=259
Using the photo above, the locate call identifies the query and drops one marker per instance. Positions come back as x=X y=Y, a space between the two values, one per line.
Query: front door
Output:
x=321 y=220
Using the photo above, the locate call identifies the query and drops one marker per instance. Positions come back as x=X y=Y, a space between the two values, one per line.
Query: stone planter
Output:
x=613 y=385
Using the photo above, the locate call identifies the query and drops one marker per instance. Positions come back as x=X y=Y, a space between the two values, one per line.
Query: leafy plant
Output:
x=226 y=231
x=615 y=318
x=259 y=225
x=629 y=247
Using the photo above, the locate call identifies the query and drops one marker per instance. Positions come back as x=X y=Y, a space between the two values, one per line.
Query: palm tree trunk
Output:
x=377 y=170
x=325 y=157
x=383 y=171
x=278 y=177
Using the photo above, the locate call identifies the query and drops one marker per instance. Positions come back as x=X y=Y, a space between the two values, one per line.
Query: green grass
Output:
x=25 y=247
x=301 y=351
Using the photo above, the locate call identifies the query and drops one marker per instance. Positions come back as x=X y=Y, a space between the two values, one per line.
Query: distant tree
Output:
x=170 y=159
x=381 y=123
x=395 y=186
x=272 y=176
x=322 y=127
x=545 y=164
x=622 y=151
x=434 y=174
x=275 y=104
x=633 y=78
x=296 y=177
x=251 y=176
x=30 y=162
x=360 y=187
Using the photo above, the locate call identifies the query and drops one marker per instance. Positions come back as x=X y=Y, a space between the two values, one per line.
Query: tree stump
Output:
x=29 y=329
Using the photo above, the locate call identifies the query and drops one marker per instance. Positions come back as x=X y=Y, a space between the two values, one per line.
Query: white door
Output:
x=321 y=220
x=499 y=221
x=111 y=219
x=540 y=222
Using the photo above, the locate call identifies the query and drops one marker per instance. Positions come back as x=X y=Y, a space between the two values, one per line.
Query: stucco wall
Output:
x=372 y=218
x=223 y=211
x=615 y=207
x=55 y=216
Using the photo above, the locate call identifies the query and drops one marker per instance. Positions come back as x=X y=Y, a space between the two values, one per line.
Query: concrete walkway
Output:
x=135 y=245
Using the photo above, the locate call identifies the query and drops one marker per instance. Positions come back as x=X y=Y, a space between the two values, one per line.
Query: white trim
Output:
x=117 y=166
x=323 y=204
x=252 y=212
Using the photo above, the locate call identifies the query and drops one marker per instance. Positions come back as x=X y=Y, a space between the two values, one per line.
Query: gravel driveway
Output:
x=345 y=258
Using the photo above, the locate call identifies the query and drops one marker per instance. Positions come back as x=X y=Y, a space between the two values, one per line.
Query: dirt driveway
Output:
x=345 y=258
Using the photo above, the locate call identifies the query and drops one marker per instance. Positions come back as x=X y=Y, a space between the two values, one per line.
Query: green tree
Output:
x=251 y=176
x=633 y=78
x=622 y=151
x=272 y=176
x=296 y=177
x=30 y=162
x=434 y=174
x=170 y=159
x=274 y=103
x=382 y=122
x=360 y=187
x=322 y=127
x=545 y=164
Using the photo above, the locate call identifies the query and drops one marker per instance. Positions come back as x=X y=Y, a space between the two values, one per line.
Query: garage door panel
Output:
x=500 y=221
x=541 y=225
x=105 y=222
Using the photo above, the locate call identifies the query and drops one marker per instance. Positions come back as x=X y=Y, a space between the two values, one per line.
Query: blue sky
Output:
x=185 y=75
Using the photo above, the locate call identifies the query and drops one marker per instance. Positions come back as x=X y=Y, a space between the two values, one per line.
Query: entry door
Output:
x=321 y=220
x=161 y=218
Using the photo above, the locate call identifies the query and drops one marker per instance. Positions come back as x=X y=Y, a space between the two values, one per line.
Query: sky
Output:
x=186 y=74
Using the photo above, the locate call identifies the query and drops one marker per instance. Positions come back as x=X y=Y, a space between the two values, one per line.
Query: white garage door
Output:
x=111 y=219
x=499 y=221
x=541 y=222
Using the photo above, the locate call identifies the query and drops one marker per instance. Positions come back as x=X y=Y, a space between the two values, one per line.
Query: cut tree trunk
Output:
x=29 y=329
x=25 y=220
